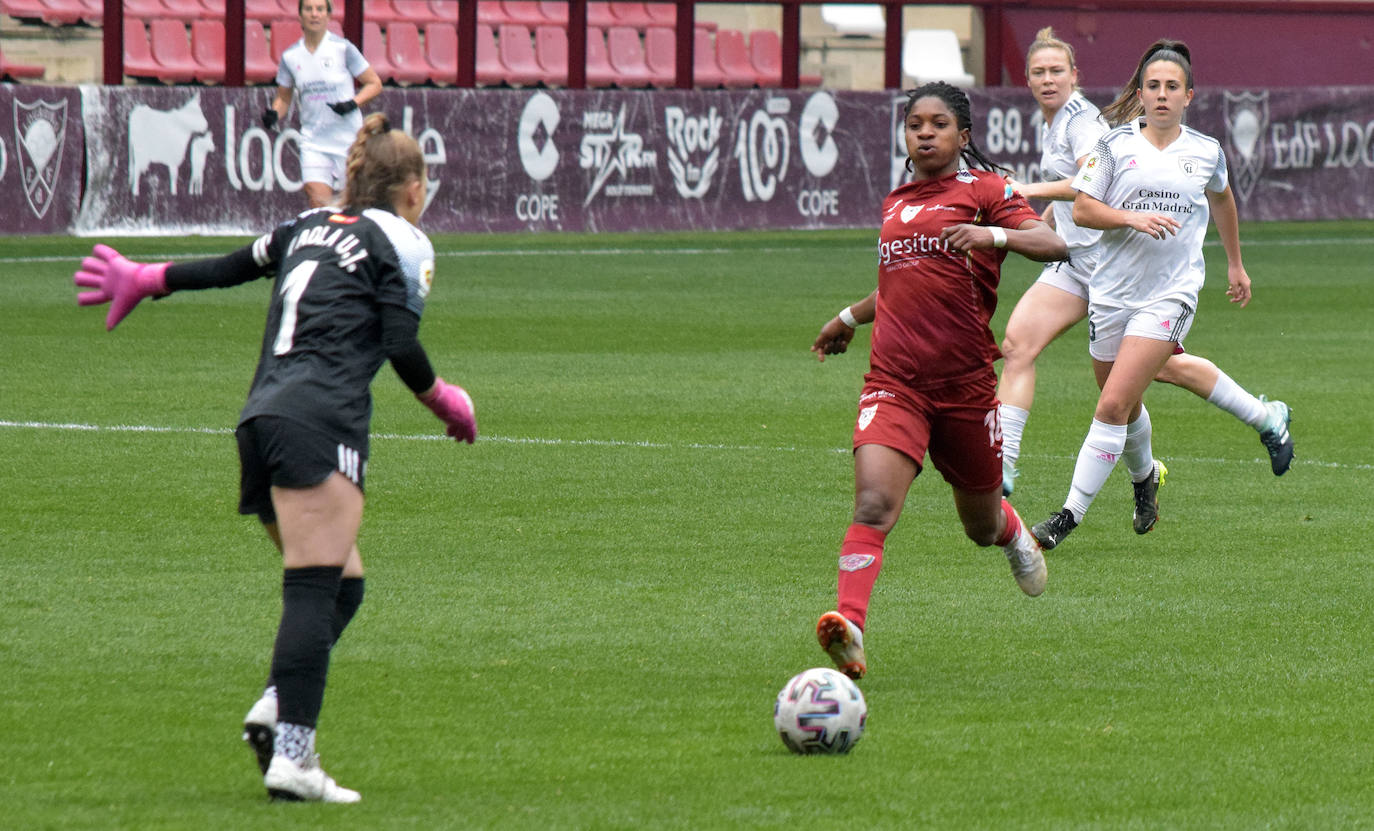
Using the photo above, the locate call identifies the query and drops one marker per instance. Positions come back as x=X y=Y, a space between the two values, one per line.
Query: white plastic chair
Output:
x=933 y=55
x=848 y=19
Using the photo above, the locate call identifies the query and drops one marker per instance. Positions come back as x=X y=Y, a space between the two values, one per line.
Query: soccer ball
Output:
x=820 y=711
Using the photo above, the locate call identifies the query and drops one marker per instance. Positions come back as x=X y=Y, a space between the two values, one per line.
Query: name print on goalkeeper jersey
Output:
x=324 y=341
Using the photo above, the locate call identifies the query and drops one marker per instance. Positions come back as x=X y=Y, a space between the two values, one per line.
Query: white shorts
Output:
x=1167 y=320
x=329 y=168
x=1071 y=275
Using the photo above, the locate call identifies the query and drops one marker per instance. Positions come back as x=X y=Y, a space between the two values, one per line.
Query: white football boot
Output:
x=259 y=729
x=1027 y=562
x=844 y=642
x=287 y=780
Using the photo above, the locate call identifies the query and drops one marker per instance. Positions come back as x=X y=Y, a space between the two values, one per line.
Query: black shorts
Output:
x=278 y=451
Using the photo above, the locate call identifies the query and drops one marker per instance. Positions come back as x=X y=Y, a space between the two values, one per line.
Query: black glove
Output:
x=344 y=107
x=269 y=118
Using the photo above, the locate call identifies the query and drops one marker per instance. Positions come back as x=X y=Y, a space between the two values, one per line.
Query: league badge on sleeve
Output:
x=426 y=278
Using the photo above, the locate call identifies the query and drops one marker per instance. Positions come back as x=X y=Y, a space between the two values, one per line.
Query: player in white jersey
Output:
x=1149 y=185
x=322 y=68
x=1059 y=298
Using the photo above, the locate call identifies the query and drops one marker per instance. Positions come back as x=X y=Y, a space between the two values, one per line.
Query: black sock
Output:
x=345 y=606
x=300 y=657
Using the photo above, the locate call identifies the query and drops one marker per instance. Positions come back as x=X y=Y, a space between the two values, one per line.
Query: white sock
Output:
x=1096 y=458
x=1013 y=425
x=1232 y=397
x=1140 y=459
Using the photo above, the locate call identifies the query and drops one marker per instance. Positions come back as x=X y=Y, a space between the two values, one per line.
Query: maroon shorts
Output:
x=956 y=423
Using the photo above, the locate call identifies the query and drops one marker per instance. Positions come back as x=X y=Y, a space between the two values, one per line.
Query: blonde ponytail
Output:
x=381 y=162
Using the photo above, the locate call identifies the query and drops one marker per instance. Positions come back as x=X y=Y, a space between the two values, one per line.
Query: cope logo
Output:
x=539 y=156
x=819 y=153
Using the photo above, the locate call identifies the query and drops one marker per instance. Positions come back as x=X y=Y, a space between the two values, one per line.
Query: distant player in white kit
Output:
x=1059 y=298
x=323 y=67
x=1148 y=186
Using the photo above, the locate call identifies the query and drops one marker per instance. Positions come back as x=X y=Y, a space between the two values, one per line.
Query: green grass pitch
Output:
x=581 y=621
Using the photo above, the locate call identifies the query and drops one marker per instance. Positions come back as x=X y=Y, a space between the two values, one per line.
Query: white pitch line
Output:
x=657 y=252
x=612 y=443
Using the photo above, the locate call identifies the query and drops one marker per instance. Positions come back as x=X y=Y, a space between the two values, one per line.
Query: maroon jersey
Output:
x=934 y=305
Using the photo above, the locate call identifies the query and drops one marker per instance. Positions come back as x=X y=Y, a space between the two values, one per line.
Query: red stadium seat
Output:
x=63 y=12
x=633 y=15
x=284 y=33
x=418 y=12
x=172 y=51
x=95 y=12
x=374 y=49
x=599 y=14
x=404 y=53
x=627 y=57
x=661 y=14
x=258 y=66
x=446 y=10
x=380 y=11
x=146 y=9
x=29 y=10
x=600 y=73
x=660 y=55
x=441 y=51
x=490 y=71
x=266 y=10
x=491 y=13
x=15 y=71
x=706 y=72
x=138 y=56
x=554 y=11
x=524 y=12
x=182 y=10
x=207 y=47
x=516 y=48
x=765 y=53
x=215 y=8
x=551 y=50
x=732 y=53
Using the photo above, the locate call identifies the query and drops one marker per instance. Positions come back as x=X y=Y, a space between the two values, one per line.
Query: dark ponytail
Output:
x=1127 y=105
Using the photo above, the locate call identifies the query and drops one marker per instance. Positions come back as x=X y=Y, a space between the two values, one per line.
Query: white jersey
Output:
x=1126 y=171
x=322 y=78
x=1071 y=135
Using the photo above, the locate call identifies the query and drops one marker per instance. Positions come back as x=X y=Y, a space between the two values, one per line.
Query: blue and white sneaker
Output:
x=1275 y=436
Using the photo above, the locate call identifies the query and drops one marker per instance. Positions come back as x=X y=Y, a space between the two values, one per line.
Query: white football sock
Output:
x=1096 y=458
x=1013 y=425
x=1139 y=453
x=1232 y=397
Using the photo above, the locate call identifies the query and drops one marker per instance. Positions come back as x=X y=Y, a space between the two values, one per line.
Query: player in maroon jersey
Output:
x=931 y=385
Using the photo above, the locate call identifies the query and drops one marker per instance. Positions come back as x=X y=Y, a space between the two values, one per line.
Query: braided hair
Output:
x=957 y=101
x=1127 y=105
x=381 y=162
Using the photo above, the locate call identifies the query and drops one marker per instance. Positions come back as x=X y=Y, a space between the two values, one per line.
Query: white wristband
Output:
x=847 y=318
x=999 y=237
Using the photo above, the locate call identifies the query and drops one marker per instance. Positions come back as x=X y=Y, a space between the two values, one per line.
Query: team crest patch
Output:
x=909 y=212
x=426 y=278
x=866 y=416
x=1188 y=166
x=856 y=562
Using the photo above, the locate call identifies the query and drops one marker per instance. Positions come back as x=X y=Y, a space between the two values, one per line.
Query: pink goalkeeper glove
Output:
x=453 y=406
x=118 y=281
